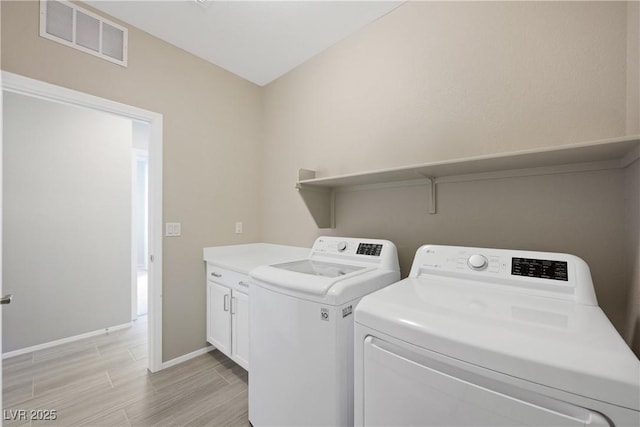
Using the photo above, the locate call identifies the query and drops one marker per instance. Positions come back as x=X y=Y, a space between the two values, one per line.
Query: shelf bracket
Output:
x=320 y=201
x=431 y=193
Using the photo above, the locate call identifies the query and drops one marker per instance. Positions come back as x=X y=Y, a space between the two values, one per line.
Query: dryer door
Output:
x=406 y=386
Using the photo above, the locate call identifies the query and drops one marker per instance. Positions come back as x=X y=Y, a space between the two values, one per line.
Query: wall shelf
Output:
x=319 y=193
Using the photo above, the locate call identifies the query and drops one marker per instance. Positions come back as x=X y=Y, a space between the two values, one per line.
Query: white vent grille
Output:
x=76 y=27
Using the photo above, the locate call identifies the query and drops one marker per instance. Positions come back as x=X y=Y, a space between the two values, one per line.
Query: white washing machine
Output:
x=301 y=330
x=488 y=337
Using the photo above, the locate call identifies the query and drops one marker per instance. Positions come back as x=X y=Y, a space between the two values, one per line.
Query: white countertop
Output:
x=244 y=258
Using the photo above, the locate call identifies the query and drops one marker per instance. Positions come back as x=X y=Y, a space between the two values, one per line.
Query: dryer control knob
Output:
x=342 y=246
x=477 y=262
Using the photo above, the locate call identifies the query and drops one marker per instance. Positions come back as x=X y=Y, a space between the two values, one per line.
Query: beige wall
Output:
x=66 y=222
x=434 y=81
x=212 y=124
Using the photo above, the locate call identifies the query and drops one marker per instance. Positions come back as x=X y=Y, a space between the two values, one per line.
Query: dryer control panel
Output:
x=540 y=268
x=555 y=275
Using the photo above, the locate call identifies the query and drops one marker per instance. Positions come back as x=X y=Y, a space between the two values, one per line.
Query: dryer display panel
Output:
x=540 y=268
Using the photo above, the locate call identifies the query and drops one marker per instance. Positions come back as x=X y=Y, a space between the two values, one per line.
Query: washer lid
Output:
x=318 y=268
x=555 y=343
x=308 y=278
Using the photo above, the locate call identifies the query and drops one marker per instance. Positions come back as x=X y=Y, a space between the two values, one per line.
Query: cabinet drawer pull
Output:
x=214 y=274
x=243 y=283
x=233 y=305
x=225 y=303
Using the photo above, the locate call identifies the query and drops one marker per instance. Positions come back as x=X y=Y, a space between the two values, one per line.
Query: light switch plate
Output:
x=238 y=228
x=172 y=229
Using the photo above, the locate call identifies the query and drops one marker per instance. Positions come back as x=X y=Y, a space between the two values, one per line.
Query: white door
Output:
x=240 y=328
x=406 y=388
x=219 y=299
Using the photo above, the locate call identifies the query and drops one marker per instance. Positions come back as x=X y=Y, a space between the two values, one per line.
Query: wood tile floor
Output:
x=104 y=381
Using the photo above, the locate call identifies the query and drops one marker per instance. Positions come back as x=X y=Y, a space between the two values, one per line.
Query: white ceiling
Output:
x=257 y=40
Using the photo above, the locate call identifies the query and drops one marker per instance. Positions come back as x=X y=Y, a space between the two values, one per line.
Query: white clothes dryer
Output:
x=301 y=330
x=489 y=337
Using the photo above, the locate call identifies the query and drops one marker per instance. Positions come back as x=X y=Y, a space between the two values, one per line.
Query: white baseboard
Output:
x=187 y=356
x=64 y=340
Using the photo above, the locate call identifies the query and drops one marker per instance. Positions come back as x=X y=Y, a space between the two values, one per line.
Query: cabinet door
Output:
x=209 y=314
x=240 y=326
x=219 y=317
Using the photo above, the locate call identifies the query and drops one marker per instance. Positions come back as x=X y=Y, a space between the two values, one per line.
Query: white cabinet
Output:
x=240 y=328
x=218 y=317
x=228 y=313
x=227 y=272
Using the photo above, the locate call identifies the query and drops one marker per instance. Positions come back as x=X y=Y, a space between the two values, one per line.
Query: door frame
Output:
x=26 y=86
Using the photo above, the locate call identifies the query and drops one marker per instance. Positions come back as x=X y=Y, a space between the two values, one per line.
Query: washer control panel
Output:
x=378 y=253
x=349 y=246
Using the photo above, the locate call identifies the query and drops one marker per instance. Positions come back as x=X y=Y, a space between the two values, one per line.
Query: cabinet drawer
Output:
x=227 y=277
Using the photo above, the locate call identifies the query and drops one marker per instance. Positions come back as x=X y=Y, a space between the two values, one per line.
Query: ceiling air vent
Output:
x=76 y=27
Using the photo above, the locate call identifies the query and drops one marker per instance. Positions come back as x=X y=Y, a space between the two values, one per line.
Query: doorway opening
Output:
x=152 y=250
x=140 y=219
